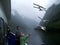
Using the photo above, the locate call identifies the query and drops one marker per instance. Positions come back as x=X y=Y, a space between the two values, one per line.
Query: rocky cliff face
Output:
x=53 y=17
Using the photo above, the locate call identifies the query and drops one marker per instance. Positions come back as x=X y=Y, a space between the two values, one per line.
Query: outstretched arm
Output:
x=27 y=36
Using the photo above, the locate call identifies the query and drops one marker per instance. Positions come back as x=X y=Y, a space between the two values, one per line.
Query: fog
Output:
x=25 y=7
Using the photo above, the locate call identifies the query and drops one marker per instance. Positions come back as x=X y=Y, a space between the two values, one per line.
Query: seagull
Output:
x=41 y=8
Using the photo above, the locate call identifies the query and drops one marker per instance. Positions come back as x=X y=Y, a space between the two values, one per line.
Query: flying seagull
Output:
x=41 y=8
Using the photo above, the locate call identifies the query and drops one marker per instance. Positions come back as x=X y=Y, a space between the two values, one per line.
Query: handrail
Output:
x=12 y=33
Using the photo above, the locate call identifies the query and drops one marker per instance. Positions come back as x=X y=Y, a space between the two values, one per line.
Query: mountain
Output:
x=53 y=17
x=24 y=23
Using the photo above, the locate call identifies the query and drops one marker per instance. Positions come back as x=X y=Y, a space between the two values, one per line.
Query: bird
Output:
x=41 y=8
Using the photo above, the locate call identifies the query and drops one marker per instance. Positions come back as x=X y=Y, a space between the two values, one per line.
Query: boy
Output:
x=23 y=38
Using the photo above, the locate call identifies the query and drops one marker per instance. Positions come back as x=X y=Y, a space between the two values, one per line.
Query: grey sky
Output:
x=25 y=7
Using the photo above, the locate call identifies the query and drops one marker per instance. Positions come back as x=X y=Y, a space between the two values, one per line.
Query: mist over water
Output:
x=25 y=7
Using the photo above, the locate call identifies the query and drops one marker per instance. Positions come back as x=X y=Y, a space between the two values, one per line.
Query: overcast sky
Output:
x=26 y=9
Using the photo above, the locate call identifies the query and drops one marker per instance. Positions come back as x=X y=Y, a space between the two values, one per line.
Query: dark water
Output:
x=34 y=39
x=43 y=38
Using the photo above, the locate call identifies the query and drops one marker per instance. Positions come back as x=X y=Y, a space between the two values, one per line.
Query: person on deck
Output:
x=23 y=38
x=17 y=35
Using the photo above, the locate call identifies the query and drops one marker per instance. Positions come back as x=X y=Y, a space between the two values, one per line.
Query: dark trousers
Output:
x=18 y=40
